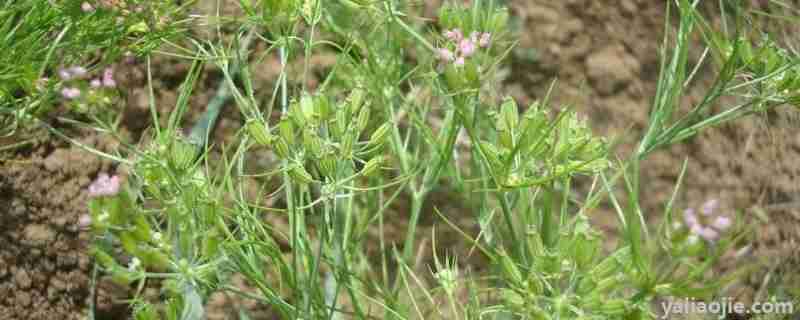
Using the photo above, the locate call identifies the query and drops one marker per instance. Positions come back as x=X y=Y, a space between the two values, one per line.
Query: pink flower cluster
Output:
x=78 y=72
x=464 y=47
x=104 y=186
x=707 y=224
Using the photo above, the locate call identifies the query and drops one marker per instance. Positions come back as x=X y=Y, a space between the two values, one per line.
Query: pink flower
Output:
x=707 y=225
x=84 y=222
x=87 y=7
x=454 y=35
x=466 y=47
x=721 y=223
x=689 y=217
x=459 y=62
x=70 y=93
x=95 y=83
x=108 y=78
x=706 y=233
x=445 y=54
x=485 y=39
x=104 y=186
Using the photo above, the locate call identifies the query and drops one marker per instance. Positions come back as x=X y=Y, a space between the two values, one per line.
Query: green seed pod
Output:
x=348 y=142
x=509 y=268
x=259 y=131
x=296 y=114
x=181 y=154
x=300 y=175
x=363 y=119
x=339 y=128
x=613 y=307
x=379 y=136
x=610 y=264
x=372 y=166
x=282 y=148
x=105 y=260
x=323 y=107
x=307 y=107
x=506 y=139
x=286 y=130
x=327 y=165
x=312 y=142
x=492 y=155
x=605 y=286
x=509 y=114
x=141 y=230
x=355 y=100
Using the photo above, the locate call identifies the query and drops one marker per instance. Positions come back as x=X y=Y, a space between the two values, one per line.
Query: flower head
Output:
x=108 y=78
x=104 y=186
x=466 y=47
x=454 y=35
x=95 y=83
x=70 y=92
x=707 y=225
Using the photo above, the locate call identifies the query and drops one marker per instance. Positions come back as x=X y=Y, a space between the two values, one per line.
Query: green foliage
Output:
x=40 y=37
x=388 y=125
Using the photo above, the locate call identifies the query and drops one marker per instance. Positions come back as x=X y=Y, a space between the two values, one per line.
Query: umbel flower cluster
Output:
x=709 y=224
x=459 y=48
x=74 y=76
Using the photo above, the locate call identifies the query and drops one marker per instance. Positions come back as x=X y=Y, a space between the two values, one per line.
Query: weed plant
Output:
x=408 y=109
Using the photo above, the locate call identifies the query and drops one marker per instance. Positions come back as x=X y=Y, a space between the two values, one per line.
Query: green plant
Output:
x=383 y=127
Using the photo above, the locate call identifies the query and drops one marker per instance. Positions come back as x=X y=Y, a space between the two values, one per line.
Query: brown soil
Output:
x=605 y=56
x=44 y=267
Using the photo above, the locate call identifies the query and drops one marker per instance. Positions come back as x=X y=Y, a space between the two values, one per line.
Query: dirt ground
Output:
x=605 y=57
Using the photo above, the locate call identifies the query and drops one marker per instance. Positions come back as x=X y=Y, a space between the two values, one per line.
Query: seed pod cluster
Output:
x=319 y=137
